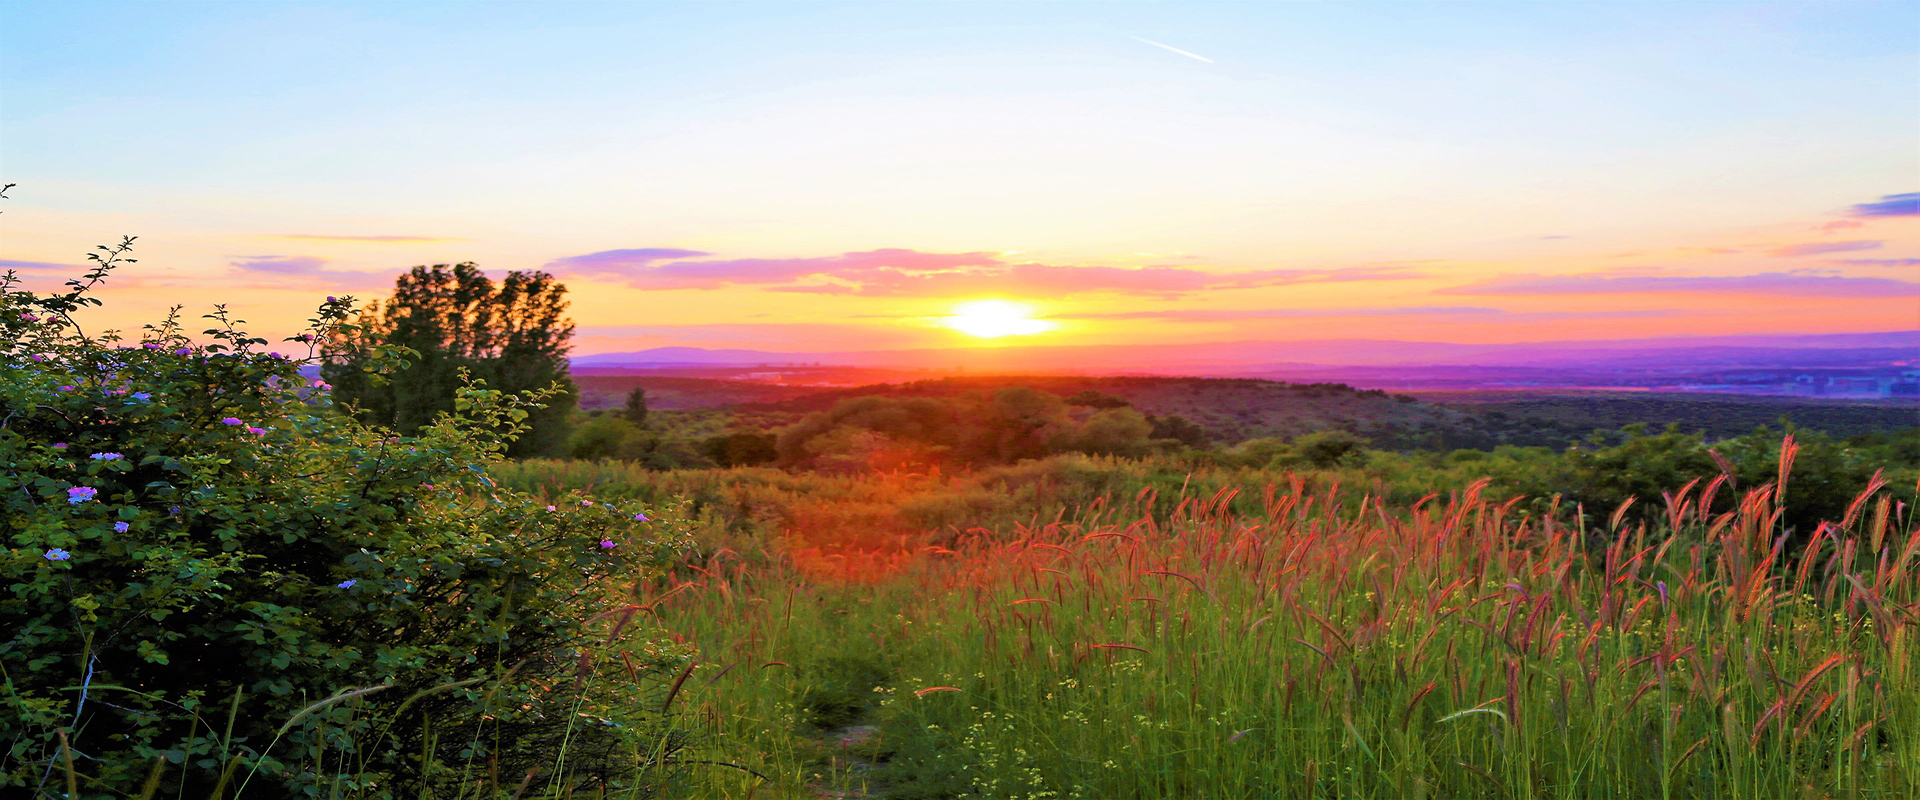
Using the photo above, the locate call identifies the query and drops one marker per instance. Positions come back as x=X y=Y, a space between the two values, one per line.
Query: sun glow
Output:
x=992 y=319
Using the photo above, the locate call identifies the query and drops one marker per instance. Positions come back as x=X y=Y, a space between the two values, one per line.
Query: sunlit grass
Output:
x=1325 y=645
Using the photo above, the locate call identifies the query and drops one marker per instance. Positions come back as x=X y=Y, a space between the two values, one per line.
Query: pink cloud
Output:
x=1792 y=284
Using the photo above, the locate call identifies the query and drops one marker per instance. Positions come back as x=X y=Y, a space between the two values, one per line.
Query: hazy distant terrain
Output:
x=1839 y=365
x=1716 y=415
x=1237 y=409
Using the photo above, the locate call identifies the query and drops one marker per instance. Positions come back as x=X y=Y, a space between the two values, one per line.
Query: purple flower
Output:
x=606 y=544
x=551 y=508
x=151 y=345
x=345 y=584
x=183 y=351
x=29 y=318
x=142 y=396
x=38 y=357
x=81 y=494
x=106 y=456
x=121 y=527
x=427 y=486
x=231 y=421
x=642 y=518
x=57 y=554
x=275 y=356
x=66 y=388
x=332 y=299
x=322 y=385
x=586 y=502
x=257 y=431
x=59 y=445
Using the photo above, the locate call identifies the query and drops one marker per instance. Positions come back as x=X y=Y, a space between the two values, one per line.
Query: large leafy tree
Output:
x=454 y=319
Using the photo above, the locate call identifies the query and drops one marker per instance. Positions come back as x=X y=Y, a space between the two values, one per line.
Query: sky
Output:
x=802 y=176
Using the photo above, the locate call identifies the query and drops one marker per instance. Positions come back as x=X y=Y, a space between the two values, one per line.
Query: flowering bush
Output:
x=213 y=579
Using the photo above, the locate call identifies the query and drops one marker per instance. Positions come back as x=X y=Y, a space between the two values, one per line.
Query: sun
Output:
x=992 y=319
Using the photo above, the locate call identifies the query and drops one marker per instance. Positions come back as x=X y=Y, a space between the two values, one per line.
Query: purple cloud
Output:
x=311 y=268
x=1795 y=284
x=1229 y=315
x=1880 y=262
x=620 y=262
x=38 y=266
x=1211 y=315
x=291 y=265
x=1892 y=205
x=1047 y=280
x=1816 y=248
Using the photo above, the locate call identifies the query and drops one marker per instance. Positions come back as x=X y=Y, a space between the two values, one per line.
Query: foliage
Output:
x=1111 y=432
x=1329 y=448
x=1092 y=398
x=741 y=448
x=212 y=578
x=1718 y=416
x=455 y=321
x=1644 y=466
x=1013 y=424
x=600 y=436
x=1179 y=429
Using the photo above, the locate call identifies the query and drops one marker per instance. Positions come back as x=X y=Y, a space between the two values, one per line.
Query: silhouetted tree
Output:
x=1113 y=432
x=1180 y=429
x=1089 y=398
x=513 y=335
x=1326 y=449
x=636 y=410
x=740 y=449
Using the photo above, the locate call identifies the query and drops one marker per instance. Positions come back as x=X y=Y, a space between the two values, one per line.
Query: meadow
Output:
x=1109 y=628
x=221 y=585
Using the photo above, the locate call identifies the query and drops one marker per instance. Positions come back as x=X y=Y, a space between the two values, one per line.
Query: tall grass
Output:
x=1288 y=640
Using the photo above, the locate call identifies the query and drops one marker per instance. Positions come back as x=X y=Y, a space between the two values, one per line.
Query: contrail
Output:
x=1171 y=47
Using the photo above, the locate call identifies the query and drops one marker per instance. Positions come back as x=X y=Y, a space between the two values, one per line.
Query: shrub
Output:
x=1826 y=475
x=1330 y=448
x=212 y=578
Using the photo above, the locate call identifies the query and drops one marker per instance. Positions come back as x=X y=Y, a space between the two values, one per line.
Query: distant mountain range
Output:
x=1242 y=357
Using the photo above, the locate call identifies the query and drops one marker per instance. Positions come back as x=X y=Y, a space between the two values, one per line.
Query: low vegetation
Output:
x=223 y=579
x=1242 y=634
x=217 y=586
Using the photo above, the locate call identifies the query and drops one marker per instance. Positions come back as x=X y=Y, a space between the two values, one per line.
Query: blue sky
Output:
x=1475 y=142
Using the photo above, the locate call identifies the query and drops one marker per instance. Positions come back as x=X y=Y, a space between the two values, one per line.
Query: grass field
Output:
x=1285 y=638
